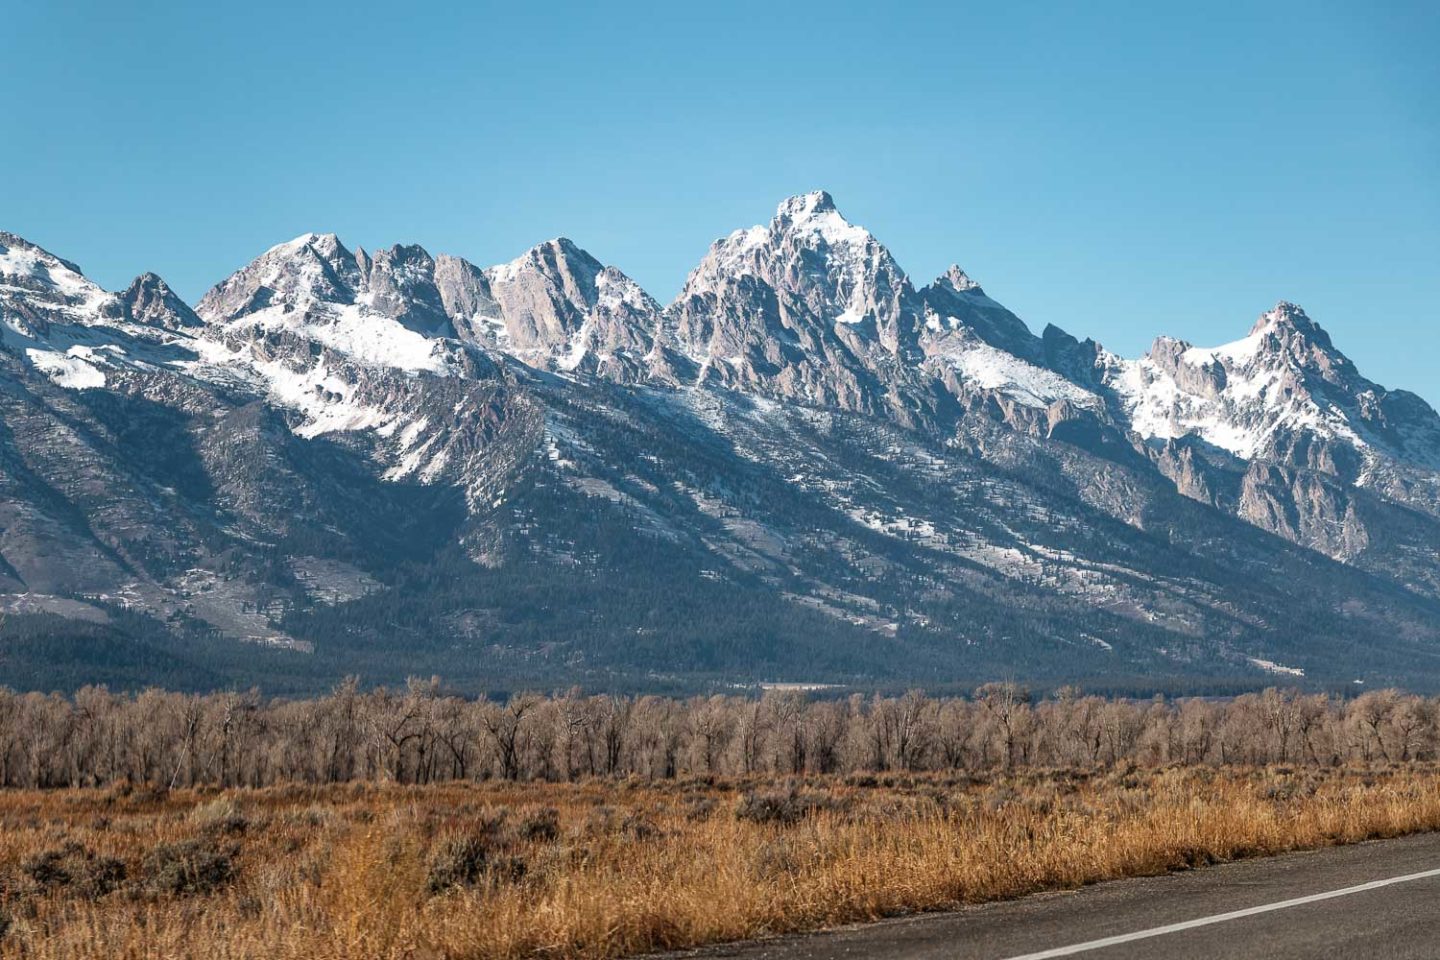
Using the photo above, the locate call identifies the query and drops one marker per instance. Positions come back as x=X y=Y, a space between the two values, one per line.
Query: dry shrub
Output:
x=141 y=795
x=638 y=825
x=315 y=815
x=221 y=816
x=784 y=807
x=49 y=869
x=188 y=868
x=483 y=852
x=74 y=866
x=700 y=809
x=541 y=825
x=472 y=859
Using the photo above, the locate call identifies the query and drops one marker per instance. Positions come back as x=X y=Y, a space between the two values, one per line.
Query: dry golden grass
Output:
x=612 y=869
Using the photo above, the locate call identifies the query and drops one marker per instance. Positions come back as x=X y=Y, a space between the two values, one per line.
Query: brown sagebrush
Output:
x=470 y=859
x=540 y=825
x=190 y=867
x=74 y=866
x=784 y=807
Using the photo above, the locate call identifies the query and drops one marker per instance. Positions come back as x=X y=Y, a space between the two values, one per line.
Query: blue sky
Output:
x=1121 y=170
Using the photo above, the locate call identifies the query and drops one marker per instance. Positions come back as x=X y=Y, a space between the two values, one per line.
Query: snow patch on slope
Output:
x=1270 y=666
x=990 y=368
x=358 y=332
x=71 y=370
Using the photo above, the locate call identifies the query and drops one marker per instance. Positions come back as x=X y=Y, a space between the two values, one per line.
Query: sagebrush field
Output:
x=613 y=867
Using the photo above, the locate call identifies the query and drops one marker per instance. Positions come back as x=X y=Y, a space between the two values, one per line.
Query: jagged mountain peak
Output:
x=557 y=306
x=399 y=255
x=807 y=226
x=811 y=253
x=15 y=248
x=325 y=244
x=554 y=257
x=815 y=214
x=323 y=247
x=311 y=268
x=317 y=270
x=1168 y=348
x=958 y=280
x=959 y=313
x=1288 y=324
x=1283 y=393
x=149 y=300
x=1285 y=314
x=408 y=251
x=1283 y=338
x=1283 y=335
x=554 y=306
x=809 y=306
x=400 y=282
x=564 y=244
x=804 y=205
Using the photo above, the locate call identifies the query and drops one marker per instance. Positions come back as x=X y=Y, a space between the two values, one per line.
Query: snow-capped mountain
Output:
x=1282 y=393
x=1282 y=429
x=402 y=462
x=809 y=308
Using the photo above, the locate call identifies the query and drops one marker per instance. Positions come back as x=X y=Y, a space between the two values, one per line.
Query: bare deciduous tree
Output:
x=419 y=734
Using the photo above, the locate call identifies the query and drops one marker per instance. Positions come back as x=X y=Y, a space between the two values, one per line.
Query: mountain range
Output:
x=804 y=469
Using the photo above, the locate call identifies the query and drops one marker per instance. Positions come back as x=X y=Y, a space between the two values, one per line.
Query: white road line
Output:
x=1221 y=918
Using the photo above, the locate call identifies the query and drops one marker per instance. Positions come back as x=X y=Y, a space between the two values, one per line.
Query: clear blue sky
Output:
x=1118 y=169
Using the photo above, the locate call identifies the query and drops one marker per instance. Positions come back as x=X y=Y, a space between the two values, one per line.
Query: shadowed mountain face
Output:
x=805 y=468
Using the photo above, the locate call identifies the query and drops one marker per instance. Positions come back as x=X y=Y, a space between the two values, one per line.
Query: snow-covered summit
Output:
x=816 y=202
x=828 y=271
x=37 y=286
x=1283 y=334
x=814 y=306
x=1272 y=395
x=983 y=345
x=381 y=309
x=816 y=214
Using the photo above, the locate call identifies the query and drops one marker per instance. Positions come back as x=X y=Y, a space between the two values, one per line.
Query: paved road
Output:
x=1372 y=900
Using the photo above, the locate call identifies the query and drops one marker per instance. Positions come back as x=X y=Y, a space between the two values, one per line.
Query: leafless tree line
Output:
x=419 y=735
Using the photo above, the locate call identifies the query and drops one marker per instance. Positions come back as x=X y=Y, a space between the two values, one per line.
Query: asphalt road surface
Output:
x=1371 y=900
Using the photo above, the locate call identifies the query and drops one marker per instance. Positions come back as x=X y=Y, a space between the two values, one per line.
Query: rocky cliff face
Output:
x=403 y=459
x=559 y=308
x=150 y=301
